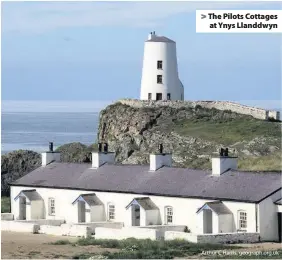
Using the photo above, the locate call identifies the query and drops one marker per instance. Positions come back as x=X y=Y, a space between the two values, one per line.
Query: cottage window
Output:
x=111 y=211
x=159 y=79
x=51 y=206
x=160 y=64
x=168 y=215
x=242 y=220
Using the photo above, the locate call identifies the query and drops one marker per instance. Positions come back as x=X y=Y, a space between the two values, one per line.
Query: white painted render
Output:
x=184 y=209
x=268 y=217
x=159 y=160
x=100 y=158
x=48 y=157
x=165 y=52
x=222 y=164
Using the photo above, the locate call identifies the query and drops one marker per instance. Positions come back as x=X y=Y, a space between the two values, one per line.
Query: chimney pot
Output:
x=105 y=147
x=99 y=147
x=161 y=148
x=50 y=146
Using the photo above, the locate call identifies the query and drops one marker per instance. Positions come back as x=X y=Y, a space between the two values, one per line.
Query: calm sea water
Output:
x=33 y=131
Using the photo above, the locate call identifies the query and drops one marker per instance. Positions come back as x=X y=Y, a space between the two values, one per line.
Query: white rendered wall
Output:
x=184 y=210
x=268 y=218
x=48 y=157
x=222 y=164
x=152 y=217
x=159 y=160
x=225 y=223
x=99 y=158
x=165 y=52
x=37 y=209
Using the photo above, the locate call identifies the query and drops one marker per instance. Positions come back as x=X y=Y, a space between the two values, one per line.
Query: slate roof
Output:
x=91 y=199
x=216 y=206
x=160 y=39
x=145 y=202
x=278 y=202
x=167 y=181
x=29 y=194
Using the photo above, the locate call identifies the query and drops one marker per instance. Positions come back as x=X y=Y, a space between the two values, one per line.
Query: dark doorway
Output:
x=280 y=226
x=168 y=96
x=159 y=96
x=22 y=203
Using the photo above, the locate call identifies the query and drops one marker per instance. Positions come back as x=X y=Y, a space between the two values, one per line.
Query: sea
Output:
x=34 y=130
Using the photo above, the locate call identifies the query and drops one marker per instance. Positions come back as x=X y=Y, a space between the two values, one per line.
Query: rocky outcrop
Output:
x=18 y=163
x=15 y=165
x=192 y=134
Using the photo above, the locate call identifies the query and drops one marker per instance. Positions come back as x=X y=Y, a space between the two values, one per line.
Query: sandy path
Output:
x=27 y=245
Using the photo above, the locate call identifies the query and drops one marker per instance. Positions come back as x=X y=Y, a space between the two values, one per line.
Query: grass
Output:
x=270 y=162
x=5 y=205
x=229 y=131
x=144 y=248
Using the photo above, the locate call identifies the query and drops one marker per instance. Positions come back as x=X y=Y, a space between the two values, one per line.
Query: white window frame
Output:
x=111 y=212
x=52 y=206
x=168 y=215
x=242 y=220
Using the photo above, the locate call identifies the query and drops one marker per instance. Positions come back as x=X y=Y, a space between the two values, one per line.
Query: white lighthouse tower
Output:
x=160 y=79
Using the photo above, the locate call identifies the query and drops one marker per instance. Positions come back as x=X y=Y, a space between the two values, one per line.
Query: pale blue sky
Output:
x=77 y=51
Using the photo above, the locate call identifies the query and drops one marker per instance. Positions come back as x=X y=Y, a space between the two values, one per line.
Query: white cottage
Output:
x=223 y=200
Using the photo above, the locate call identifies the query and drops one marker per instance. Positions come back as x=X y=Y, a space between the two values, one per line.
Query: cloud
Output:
x=38 y=17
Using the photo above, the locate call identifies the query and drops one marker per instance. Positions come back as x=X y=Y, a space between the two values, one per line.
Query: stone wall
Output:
x=127 y=232
x=258 y=113
x=214 y=238
x=66 y=230
x=7 y=216
x=229 y=238
x=19 y=226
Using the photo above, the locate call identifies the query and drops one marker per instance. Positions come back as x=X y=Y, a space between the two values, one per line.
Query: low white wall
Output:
x=164 y=228
x=229 y=238
x=94 y=225
x=19 y=226
x=214 y=238
x=66 y=230
x=171 y=235
x=50 y=222
x=124 y=233
x=7 y=216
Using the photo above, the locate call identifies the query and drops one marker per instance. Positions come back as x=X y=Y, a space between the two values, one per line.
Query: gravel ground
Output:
x=26 y=245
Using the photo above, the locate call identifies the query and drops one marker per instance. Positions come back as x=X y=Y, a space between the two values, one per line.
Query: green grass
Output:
x=227 y=131
x=61 y=242
x=5 y=205
x=145 y=248
x=272 y=162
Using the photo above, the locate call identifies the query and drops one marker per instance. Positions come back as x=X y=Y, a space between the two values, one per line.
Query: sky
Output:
x=90 y=53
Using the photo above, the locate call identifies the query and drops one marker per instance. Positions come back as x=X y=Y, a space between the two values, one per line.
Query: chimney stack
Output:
x=160 y=159
x=223 y=163
x=99 y=147
x=101 y=157
x=50 y=156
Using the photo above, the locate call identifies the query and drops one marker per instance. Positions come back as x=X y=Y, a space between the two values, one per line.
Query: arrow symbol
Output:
x=203 y=16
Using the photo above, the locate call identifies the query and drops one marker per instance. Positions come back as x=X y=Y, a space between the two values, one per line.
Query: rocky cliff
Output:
x=192 y=134
x=18 y=163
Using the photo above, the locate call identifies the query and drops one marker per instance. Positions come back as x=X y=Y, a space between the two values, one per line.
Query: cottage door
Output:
x=22 y=209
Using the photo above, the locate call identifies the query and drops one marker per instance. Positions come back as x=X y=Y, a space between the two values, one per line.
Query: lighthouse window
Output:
x=160 y=64
x=159 y=79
